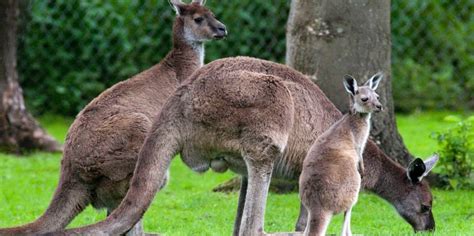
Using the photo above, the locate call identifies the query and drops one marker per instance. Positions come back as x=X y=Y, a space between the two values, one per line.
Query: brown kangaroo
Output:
x=102 y=144
x=331 y=175
x=259 y=118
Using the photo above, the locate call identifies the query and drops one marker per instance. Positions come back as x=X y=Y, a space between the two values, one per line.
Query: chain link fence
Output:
x=71 y=50
x=433 y=54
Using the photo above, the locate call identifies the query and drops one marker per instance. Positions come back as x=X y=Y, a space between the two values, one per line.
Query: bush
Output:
x=457 y=152
x=71 y=50
x=418 y=86
x=432 y=54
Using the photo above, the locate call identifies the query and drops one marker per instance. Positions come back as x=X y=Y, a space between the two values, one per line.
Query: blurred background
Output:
x=70 y=51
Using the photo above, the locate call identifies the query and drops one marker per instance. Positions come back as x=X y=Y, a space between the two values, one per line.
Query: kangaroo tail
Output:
x=69 y=200
x=153 y=161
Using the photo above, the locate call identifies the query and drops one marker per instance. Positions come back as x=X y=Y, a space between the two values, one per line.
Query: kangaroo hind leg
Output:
x=346 y=227
x=318 y=222
x=68 y=201
x=259 y=158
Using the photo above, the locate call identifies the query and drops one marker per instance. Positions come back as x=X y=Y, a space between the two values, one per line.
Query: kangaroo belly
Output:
x=197 y=160
x=201 y=160
x=332 y=184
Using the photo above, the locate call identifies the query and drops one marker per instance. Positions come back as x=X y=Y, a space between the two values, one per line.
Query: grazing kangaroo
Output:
x=102 y=144
x=331 y=175
x=258 y=119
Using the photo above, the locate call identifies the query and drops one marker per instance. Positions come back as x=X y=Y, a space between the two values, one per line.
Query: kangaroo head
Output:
x=199 y=23
x=364 y=98
x=415 y=201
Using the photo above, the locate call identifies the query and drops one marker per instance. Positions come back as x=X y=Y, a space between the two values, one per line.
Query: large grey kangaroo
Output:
x=260 y=118
x=102 y=144
x=331 y=175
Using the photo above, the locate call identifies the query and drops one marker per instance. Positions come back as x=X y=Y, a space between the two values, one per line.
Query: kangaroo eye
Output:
x=198 y=20
x=364 y=99
x=425 y=208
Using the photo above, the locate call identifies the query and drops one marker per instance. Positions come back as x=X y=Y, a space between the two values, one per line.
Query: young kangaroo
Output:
x=237 y=111
x=331 y=176
x=102 y=144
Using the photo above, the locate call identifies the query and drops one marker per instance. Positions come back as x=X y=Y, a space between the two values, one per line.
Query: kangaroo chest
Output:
x=361 y=131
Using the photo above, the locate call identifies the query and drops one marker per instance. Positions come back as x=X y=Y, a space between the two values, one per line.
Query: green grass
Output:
x=187 y=206
x=417 y=128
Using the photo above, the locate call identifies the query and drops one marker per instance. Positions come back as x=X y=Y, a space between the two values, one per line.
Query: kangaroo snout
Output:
x=424 y=224
x=221 y=31
x=378 y=107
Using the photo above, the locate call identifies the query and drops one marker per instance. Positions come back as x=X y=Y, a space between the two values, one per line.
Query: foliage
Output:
x=417 y=129
x=457 y=152
x=70 y=51
x=433 y=55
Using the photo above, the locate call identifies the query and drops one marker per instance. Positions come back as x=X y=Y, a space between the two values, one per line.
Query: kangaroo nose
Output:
x=221 y=31
x=379 y=107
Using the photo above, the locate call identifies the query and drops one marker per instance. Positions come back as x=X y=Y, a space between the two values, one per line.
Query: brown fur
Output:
x=331 y=176
x=330 y=170
x=102 y=144
x=222 y=112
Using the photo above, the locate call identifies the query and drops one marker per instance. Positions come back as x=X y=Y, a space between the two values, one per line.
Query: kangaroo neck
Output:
x=360 y=126
x=385 y=174
x=186 y=56
x=390 y=179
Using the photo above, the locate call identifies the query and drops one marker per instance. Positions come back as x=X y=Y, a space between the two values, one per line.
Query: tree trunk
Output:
x=329 y=38
x=18 y=129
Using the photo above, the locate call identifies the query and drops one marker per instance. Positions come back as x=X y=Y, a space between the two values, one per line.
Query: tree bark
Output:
x=329 y=38
x=19 y=131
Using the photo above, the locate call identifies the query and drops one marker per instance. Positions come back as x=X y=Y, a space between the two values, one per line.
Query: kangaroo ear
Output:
x=200 y=2
x=419 y=168
x=178 y=6
x=374 y=81
x=430 y=163
x=415 y=170
x=350 y=84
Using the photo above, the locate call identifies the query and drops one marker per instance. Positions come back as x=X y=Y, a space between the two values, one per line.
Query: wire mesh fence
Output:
x=433 y=53
x=71 y=50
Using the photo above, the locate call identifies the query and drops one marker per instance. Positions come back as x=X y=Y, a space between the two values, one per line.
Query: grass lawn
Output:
x=189 y=207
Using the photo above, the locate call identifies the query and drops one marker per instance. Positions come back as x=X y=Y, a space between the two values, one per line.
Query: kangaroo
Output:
x=258 y=119
x=331 y=175
x=102 y=144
